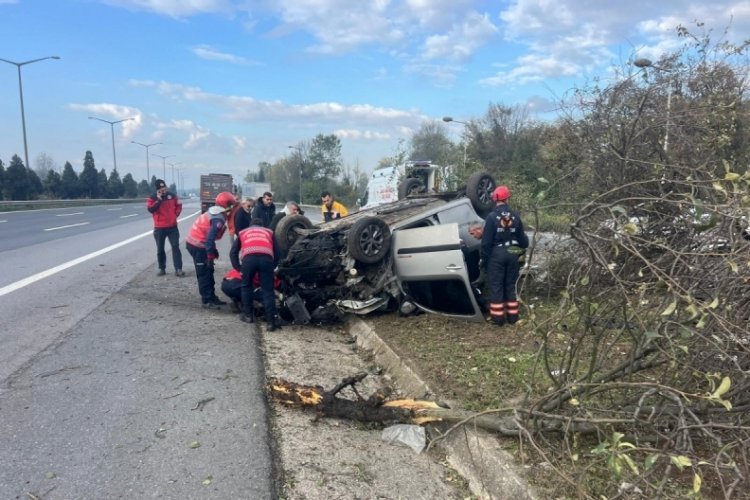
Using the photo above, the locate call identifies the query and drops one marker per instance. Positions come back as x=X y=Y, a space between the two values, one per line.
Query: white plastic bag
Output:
x=412 y=436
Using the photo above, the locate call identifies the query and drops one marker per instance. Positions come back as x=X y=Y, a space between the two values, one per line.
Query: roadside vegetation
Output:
x=635 y=346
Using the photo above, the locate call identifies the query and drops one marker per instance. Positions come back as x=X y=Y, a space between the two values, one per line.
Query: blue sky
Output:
x=226 y=84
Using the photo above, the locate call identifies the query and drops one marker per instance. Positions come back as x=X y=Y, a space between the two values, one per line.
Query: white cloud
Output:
x=244 y=108
x=113 y=113
x=361 y=134
x=210 y=53
x=177 y=8
x=462 y=40
x=198 y=137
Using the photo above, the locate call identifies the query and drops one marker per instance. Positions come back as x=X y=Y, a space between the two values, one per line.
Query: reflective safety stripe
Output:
x=512 y=307
x=497 y=309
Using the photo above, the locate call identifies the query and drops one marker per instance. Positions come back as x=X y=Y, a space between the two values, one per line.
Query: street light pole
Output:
x=112 y=129
x=646 y=63
x=20 y=93
x=172 y=165
x=448 y=119
x=299 y=150
x=163 y=163
x=148 y=173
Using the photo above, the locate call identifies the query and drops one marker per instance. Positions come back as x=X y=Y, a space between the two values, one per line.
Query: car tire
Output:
x=286 y=230
x=409 y=186
x=369 y=240
x=479 y=190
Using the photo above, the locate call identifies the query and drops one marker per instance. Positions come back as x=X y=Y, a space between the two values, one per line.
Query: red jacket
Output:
x=164 y=211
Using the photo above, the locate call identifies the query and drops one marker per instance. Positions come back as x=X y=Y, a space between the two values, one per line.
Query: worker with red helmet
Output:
x=255 y=251
x=201 y=244
x=503 y=242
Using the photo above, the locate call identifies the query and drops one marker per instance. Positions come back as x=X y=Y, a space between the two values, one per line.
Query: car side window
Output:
x=446 y=296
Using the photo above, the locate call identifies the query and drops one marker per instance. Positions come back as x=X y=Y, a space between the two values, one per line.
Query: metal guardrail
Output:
x=14 y=206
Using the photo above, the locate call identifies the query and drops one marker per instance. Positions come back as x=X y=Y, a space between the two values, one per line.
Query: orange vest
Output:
x=199 y=231
x=233 y=274
x=256 y=240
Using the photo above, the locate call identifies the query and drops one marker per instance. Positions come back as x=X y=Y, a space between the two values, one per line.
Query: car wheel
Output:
x=410 y=186
x=286 y=230
x=479 y=189
x=369 y=240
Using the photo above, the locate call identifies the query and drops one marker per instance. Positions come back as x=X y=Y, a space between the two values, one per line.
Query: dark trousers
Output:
x=263 y=265
x=233 y=289
x=503 y=271
x=173 y=234
x=204 y=271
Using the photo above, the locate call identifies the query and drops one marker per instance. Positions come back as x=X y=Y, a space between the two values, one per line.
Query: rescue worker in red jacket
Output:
x=503 y=241
x=201 y=244
x=255 y=251
x=231 y=285
x=165 y=207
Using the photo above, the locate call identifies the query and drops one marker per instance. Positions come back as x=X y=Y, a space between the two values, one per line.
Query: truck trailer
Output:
x=211 y=186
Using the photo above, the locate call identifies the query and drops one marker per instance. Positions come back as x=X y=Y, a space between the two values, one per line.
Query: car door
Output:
x=431 y=271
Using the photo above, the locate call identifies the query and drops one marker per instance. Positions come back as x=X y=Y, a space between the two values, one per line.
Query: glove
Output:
x=213 y=255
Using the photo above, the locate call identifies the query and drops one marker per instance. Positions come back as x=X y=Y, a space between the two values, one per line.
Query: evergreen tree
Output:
x=2 y=180
x=88 y=180
x=143 y=188
x=129 y=186
x=115 y=188
x=101 y=184
x=35 y=184
x=53 y=184
x=69 y=183
x=17 y=180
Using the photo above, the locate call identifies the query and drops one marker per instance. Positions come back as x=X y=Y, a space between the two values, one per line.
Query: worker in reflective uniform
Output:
x=201 y=245
x=255 y=251
x=503 y=241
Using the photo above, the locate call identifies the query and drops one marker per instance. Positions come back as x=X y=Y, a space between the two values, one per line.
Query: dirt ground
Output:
x=330 y=458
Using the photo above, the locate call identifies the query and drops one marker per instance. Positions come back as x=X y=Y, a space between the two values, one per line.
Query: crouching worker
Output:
x=201 y=245
x=254 y=251
x=503 y=241
x=231 y=285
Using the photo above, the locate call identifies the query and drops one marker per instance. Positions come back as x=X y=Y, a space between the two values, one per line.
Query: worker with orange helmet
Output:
x=201 y=244
x=503 y=242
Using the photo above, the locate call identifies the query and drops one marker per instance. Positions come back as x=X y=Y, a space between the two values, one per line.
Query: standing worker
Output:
x=165 y=207
x=201 y=244
x=264 y=209
x=255 y=251
x=503 y=241
x=331 y=208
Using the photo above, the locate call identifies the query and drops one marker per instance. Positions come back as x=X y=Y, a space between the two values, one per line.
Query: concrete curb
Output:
x=475 y=454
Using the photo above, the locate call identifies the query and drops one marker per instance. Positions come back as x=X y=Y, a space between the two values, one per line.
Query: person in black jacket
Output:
x=242 y=215
x=503 y=241
x=264 y=209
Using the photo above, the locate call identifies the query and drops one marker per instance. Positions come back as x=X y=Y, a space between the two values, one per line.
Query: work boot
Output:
x=499 y=321
x=216 y=300
x=273 y=325
x=211 y=305
x=234 y=307
x=512 y=319
x=161 y=272
x=180 y=273
x=247 y=318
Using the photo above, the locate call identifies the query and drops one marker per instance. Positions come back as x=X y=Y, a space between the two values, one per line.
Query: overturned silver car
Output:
x=417 y=249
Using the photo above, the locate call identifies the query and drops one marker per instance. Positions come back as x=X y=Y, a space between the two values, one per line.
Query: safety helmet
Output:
x=226 y=200
x=501 y=193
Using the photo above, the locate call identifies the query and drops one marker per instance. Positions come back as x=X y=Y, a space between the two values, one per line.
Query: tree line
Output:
x=20 y=182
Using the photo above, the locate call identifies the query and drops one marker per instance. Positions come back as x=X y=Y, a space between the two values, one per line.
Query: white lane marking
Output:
x=3 y=221
x=72 y=213
x=126 y=216
x=65 y=227
x=49 y=272
x=112 y=209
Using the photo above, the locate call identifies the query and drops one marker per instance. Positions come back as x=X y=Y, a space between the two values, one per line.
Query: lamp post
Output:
x=148 y=173
x=112 y=129
x=448 y=119
x=299 y=150
x=20 y=93
x=173 y=165
x=163 y=163
x=646 y=63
